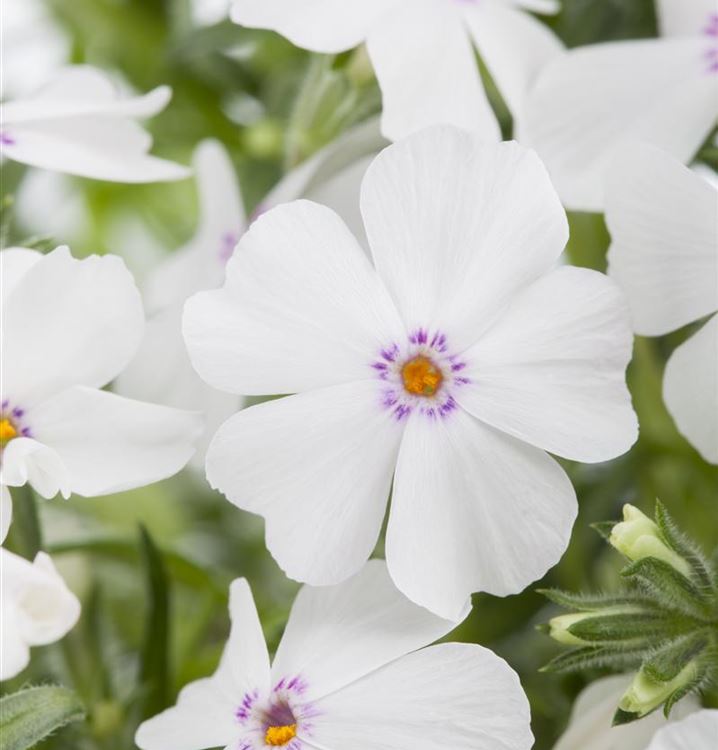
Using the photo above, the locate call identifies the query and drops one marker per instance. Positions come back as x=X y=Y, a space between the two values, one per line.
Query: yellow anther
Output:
x=278 y=736
x=7 y=430
x=421 y=376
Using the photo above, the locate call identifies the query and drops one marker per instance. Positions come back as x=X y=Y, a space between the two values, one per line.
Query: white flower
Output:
x=37 y=608
x=351 y=672
x=422 y=51
x=78 y=124
x=590 y=725
x=456 y=360
x=663 y=220
x=589 y=102
x=697 y=732
x=68 y=328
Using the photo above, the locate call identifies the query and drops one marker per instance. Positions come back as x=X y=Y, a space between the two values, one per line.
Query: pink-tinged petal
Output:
x=323 y=504
x=690 y=389
x=473 y=510
x=448 y=696
x=427 y=71
x=339 y=634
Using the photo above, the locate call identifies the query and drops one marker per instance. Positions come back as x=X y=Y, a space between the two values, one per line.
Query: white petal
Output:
x=110 y=443
x=697 y=732
x=161 y=373
x=318 y=25
x=27 y=460
x=427 y=71
x=338 y=634
x=203 y=718
x=5 y=512
x=68 y=322
x=551 y=371
x=636 y=89
x=663 y=220
x=457 y=227
x=448 y=696
x=590 y=727
x=302 y=307
x=690 y=389
x=15 y=262
x=14 y=651
x=473 y=510
x=684 y=17
x=515 y=46
x=318 y=467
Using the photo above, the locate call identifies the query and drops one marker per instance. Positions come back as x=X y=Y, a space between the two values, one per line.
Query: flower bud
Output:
x=558 y=628
x=645 y=694
x=637 y=537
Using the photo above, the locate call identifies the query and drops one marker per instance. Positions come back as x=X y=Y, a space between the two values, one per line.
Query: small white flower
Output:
x=68 y=328
x=663 y=220
x=351 y=672
x=590 y=725
x=422 y=51
x=589 y=102
x=37 y=608
x=456 y=361
x=699 y=731
x=78 y=124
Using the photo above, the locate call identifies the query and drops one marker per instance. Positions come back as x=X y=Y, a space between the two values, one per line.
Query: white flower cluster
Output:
x=435 y=349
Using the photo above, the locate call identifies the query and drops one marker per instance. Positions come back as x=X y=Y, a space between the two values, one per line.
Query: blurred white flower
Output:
x=589 y=102
x=207 y=12
x=69 y=327
x=457 y=360
x=78 y=124
x=351 y=672
x=697 y=732
x=663 y=220
x=590 y=725
x=423 y=51
x=37 y=609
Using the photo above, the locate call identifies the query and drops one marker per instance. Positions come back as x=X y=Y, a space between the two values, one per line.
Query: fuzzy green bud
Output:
x=646 y=694
x=638 y=537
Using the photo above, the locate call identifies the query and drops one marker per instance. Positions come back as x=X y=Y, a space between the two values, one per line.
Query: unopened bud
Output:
x=645 y=694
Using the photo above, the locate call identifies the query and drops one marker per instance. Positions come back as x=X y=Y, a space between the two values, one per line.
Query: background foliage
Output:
x=152 y=566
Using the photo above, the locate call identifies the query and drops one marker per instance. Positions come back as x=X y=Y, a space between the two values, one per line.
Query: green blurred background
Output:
x=154 y=603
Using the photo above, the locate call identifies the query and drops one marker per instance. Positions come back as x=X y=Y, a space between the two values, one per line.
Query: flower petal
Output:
x=448 y=696
x=83 y=316
x=301 y=308
x=690 y=389
x=684 y=17
x=514 y=45
x=15 y=651
x=338 y=634
x=453 y=249
x=473 y=510
x=15 y=262
x=696 y=732
x=551 y=371
x=318 y=25
x=110 y=443
x=27 y=460
x=323 y=504
x=663 y=220
x=427 y=71
x=636 y=89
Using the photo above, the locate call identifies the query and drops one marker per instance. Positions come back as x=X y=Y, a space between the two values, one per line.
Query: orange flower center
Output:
x=278 y=736
x=7 y=431
x=421 y=376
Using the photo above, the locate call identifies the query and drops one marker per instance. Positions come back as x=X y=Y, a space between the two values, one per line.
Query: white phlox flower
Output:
x=591 y=101
x=423 y=51
x=68 y=328
x=699 y=731
x=590 y=726
x=663 y=220
x=37 y=608
x=451 y=364
x=351 y=673
x=78 y=123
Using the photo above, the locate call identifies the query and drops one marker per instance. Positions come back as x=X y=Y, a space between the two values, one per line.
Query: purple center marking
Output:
x=6 y=139
x=227 y=244
x=15 y=416
x=711 y=31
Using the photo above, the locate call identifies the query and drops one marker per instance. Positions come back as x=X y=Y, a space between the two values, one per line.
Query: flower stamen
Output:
x=278 y=736
x=421 y=376
x=7 y=431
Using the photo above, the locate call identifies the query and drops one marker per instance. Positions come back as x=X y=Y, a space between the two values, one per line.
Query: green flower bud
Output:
x=645 y=694
x=637 y=537
x=558 y=628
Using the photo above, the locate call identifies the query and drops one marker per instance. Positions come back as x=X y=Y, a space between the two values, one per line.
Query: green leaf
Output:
x=591 y=602
x=155 y=659
x=668 y=662
x=26 y=523
x=681 y=693
x=624 y=717
x=591 y=657
x=633 y=626
x=604 y=528
x=30 y=715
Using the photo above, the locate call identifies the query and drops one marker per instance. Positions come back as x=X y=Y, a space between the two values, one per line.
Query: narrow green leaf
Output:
x=681 y=693
x=155 y=661
x=29 y=716
x=590 y=657
x=669 y=661
x=26 y=523
x=591 y=602
x=604 y=528
x=633 y=626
